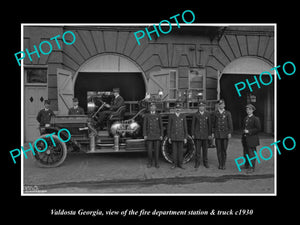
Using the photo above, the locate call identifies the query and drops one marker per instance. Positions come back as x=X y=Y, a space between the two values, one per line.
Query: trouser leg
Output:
x=174 y=152
x=103 y=116
x=218 y=147
x=198 y=152
x=204 y=149
x=149 y=150
x=245 y=151
x=156 y=151
x=224 y=151
x=180 y=153
x=251 y=154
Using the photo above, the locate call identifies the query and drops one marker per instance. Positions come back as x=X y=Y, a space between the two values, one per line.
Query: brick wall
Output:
x=190 y=47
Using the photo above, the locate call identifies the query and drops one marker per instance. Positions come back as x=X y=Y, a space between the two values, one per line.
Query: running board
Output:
x=105 y=145
x=109 y=150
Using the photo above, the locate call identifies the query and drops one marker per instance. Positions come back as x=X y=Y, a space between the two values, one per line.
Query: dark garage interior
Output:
x=132 y=85
x=236 y=105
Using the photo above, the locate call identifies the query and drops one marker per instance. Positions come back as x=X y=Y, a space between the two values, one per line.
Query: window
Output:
x=36 y=75
x=173 y=85
x=196 y=83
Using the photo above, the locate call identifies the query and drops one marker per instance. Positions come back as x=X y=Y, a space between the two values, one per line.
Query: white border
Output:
x=22 y=111
x=275 y=110
x=149 y=24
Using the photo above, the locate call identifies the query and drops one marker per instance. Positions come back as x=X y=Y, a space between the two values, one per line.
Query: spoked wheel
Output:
x=188 y=150
x=53 y=156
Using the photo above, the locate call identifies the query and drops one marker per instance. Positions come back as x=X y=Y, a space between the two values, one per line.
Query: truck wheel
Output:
x=53 y=156
x=188 y=150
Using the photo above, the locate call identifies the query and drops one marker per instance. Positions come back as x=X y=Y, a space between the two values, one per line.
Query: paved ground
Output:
x=261 y=186
x=127 y=173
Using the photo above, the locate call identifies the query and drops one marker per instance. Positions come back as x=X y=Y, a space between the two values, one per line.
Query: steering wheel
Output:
x=95 y=114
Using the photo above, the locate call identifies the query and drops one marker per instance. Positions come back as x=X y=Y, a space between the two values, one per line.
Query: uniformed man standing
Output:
x=76 y=109
x=222 y=128
x=201 y=132
x=44 y=115
x=153 y=134
x=251 y=127
x=177 y=134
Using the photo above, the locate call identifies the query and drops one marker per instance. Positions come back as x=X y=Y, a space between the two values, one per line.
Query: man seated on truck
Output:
x=114 y=106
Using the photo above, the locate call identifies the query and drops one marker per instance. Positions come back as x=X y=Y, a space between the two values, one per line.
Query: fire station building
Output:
x=193 y=59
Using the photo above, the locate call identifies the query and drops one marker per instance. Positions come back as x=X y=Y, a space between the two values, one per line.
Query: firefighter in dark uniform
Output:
x=222 y=128
x=44 y=116
x=251 y=127
x=114 y=106
x=177 y=135
x=153 y=134
x=76 y=109
x=201 y=132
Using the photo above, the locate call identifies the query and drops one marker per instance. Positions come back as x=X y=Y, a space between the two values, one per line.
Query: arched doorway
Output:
x=263 y=98
x=107 y=71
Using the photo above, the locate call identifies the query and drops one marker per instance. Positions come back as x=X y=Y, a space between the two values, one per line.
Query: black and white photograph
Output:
x=132 y=114
x=148 y=109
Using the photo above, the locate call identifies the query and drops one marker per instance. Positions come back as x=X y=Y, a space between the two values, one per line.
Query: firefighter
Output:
x=201 y=132
x=76 y=110
x=153 y=134
x=44 y=116
x=114 y=106
x=251 y=126
x=222 y=128
x=177 y=135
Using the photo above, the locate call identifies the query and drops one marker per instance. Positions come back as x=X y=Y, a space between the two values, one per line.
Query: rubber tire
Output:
x=186 y=157
x=63 y=147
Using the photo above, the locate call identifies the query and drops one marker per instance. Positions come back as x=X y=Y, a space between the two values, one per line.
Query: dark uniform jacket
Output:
x=117 y=103
x=44 y=116
x=177 y=127
x=201 y=125
x=252 y=124
x=222 y=124
x=152 y=127
x=77 y=111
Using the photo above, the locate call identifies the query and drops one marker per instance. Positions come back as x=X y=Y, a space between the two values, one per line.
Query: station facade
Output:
x=199 y=59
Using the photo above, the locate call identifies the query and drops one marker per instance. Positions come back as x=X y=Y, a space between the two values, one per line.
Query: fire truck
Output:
x=123 y=131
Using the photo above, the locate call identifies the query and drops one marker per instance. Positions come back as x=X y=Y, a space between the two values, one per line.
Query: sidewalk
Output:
x=114 y=167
